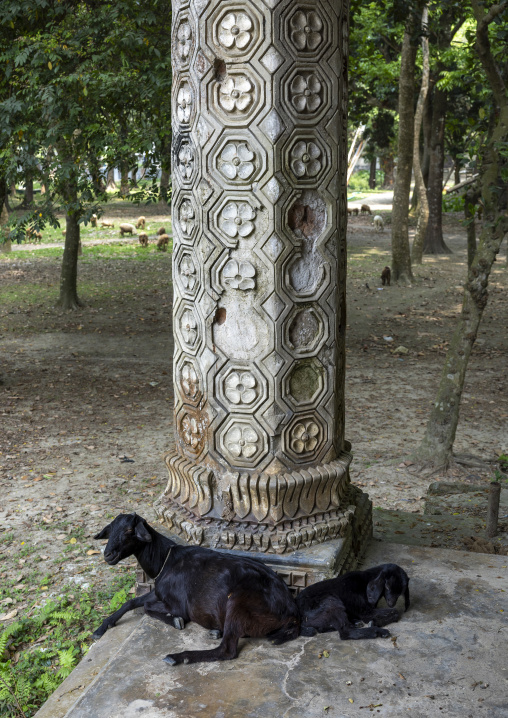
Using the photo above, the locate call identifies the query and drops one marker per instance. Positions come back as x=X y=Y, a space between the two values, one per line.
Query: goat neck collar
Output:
x=165 y=562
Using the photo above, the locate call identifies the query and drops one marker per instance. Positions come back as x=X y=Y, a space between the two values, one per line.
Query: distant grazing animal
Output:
x=232 y=596
x=93 y=220
x=331 y=605
x=365 y=209
x=143 y=239
x=162 y=242
x=161 y=230
x=349 y=211
x=37 y=237
x=379 y=223
x=107 y=223
x=140 y=224
x=355 y=211
x=386 y=276
x=127 y=229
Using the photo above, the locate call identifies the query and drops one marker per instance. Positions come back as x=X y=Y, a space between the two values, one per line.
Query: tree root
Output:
x=472 y=460
x=455 y=463
x=68 y=304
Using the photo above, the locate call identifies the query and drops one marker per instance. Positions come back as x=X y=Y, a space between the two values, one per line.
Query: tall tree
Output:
x=437 y=445
x=401 y=258
x=447 y=20
x=423 y=205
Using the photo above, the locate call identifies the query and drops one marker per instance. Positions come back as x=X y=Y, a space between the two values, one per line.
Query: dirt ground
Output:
x=86 y=399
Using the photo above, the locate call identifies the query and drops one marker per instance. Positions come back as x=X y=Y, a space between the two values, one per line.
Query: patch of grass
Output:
x=27 y=294
x=38 y=651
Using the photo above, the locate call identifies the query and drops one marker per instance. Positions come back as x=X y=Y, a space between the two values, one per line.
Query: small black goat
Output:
x=332 y=605
x=232 y=596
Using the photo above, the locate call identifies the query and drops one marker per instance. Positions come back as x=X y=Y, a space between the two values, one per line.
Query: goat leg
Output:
x=380 y=616
x=117 y=615
x=226 y=651
x=349 y=633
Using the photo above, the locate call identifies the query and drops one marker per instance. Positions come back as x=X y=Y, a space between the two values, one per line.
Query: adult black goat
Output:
x=231 y=595
x=331 y=605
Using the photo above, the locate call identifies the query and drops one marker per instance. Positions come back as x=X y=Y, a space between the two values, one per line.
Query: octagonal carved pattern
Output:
x=185 y=103
x=188 y=328
x=188 y=379
x=307 y=92
x=185 y=161
x=305 y=330
x=187 y=272
x=183 y=41
x=242 y=390
x=307 y=31
x=236 y=97
x=236 y=30
x=305 y=383
x=243 y=442
x=304 y=437
x=186 y=217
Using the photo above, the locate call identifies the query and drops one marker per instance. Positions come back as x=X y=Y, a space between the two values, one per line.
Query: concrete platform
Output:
x=447 y=657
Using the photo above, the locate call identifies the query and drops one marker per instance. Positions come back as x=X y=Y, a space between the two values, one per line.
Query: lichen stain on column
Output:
x=258 y=186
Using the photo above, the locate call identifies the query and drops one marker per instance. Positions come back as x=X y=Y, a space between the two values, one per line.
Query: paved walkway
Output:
x=446 y=657
x=378 y=201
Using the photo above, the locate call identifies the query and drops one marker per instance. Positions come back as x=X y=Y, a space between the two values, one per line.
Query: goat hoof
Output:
x=170 y=660
x=186 y=660
x=215 y=634
x=370 y=624
x=383 y=633
x=178 y=623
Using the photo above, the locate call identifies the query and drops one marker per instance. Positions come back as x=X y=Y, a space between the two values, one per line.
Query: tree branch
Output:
x=484 y=52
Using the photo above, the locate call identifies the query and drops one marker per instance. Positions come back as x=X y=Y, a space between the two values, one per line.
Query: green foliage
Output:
x=359 y=181
x=41 y=649
x=453 y=203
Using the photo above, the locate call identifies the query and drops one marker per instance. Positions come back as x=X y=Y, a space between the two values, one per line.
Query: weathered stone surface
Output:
x=448 y=658
x=259 y=220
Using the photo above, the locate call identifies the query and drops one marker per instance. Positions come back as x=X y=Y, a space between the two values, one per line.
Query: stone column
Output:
x=259 y=227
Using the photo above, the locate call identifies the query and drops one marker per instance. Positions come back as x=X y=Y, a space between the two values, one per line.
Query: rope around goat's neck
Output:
x=165 y=562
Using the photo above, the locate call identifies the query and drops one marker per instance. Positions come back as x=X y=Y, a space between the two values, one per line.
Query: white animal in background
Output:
x=379 y=223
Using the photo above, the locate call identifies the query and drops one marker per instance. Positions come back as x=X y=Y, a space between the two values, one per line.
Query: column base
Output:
x=307 y=565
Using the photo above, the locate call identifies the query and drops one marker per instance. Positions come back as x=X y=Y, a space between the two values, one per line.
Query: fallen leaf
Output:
x=8 y=616
x=350 y=700
x=326 y=654
x=73 y=540
x=91 y=552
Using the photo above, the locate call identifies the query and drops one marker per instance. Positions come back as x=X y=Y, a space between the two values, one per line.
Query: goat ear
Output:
x=142 y=533
x=104 y=533
x=375 y=589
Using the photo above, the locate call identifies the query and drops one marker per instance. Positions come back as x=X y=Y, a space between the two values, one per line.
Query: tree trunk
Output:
x=456 y=171
x=470 y=202
x=13 y=194
x=68 y=298
x=5 y=244
x=372 y=173
x=164 y=186
x=437 y=444
x=387 y=167
x=134 y=176
x=434 y=242
x=423 y=205
x=401 y=258
x=124 y=181
x=29 y=192
x=111 y=184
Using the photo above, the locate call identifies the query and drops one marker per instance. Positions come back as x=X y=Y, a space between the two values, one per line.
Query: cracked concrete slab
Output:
x=446 y=657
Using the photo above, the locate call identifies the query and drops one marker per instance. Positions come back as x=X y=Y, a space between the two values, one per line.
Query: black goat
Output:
x=332 y=605
x=232 y=596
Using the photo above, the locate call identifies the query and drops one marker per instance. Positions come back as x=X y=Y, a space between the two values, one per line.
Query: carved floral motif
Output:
x=306 y=93
x=237 y=218
x=183 y=42
x=189 y=381
x=186 y=162
x=184 y=104
x=237 y=161
x=304 y=437
x=186 y=216
x=242 y=441
x=306 y=30
x=239 y=275
x=240 y=387
x=305 y=160
x=188 y=272
x=236 y=93
x=188 y=325
x=235 y=31
x=190 y=431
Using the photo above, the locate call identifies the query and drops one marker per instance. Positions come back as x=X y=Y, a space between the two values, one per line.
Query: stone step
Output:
x=446 y=657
